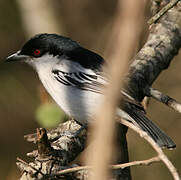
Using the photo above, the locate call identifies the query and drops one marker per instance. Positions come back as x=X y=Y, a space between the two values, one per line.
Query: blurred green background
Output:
x=23 y=102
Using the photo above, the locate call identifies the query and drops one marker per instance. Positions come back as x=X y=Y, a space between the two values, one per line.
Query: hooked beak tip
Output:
x=14 y=57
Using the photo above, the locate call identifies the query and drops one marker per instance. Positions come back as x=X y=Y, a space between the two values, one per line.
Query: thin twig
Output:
x=137 y=163
x=162 y=12
x=117 y=166
x=161 y=155
x=170 y=102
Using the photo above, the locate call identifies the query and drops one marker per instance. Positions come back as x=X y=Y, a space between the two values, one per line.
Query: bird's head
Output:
x=42 y=47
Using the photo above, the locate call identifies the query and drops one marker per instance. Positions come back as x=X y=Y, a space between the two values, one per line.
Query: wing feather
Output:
x=80 y=80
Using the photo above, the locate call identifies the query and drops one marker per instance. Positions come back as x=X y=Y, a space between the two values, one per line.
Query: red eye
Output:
x=37 y=52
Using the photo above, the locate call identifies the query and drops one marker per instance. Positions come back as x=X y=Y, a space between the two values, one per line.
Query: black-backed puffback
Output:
x=73 y=77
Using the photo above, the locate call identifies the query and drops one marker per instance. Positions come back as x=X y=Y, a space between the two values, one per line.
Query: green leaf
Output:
x=49 y=115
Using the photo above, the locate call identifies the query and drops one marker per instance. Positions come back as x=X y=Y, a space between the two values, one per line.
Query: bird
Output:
x=74 y=77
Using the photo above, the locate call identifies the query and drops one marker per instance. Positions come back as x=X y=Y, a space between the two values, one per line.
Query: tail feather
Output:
x=139 y=119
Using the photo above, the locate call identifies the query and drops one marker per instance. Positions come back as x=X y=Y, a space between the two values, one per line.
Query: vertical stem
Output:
x=121 y=47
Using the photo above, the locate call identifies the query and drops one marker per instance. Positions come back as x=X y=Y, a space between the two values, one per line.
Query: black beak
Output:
x=16 y=57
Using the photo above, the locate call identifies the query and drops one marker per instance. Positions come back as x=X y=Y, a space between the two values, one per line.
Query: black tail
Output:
x=140 y=120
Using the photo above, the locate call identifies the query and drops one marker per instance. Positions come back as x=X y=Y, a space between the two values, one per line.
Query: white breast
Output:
x=79 y=104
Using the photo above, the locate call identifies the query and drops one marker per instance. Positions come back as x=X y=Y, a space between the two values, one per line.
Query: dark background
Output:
x=88 y=22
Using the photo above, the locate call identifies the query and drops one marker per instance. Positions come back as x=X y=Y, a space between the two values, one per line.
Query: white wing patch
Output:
x=73 y=74
x=81 y=80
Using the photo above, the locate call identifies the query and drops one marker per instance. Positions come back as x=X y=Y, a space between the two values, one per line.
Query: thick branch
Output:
x=55 y=153
x=163 y=44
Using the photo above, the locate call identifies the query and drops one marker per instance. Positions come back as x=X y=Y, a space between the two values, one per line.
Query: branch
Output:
x=157 y=16
x=164 y=42
x=128 y=17
x=38 y=170
x=81 y=168
x=21 y=162
x=159 y=151
x=170 y=102
x=55 y=150
x=117 y=166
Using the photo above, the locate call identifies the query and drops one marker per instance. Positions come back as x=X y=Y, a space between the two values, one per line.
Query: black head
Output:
x=41 y=44
x=54 y=44
x=48 y=43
